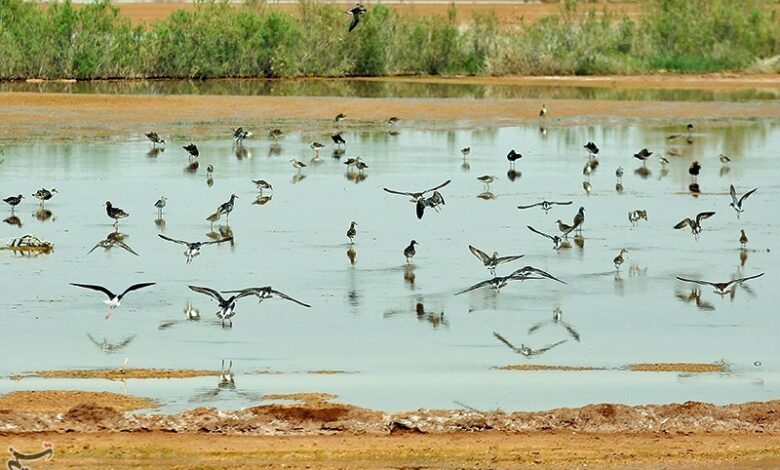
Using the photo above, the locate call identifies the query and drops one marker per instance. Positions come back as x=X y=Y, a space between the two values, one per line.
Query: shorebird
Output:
x=694 y=169
x=264 y=293
x=297 y=164
x=543 y=111
x=13 y=201
x=694 y=224
x=409 y=251
x=417 y=195
x=360 y=165
x=115 y=213
x=263 y=184
x=227 y=207
x=193 y=248
x=737 y=203
x=588 y=169
x=192 y=149
x=513 y=156
x=154 y=138
x=338 y=139
x=619 y=259
x=276 y=133
x=393 y=120
x=635 y=216
x=227 y=307
x=724 y=159
x=114 y=300
x=491 y=262
x=525 y=350
x=316 y=146
x=213 y=217
x=579 y=219
x=721 y=288
x=743 y=239
x=592 y=149
x=113 y=239
x=546 y=205
x=357 y=11
x=557 y=319
x=486 y=180
x=523 y=274
x=339 y=117
x=111 y=347
x=240 y=134
x=557 y=241
x=663 y=160
x=209 y=175
x=619 y=174
x=43 y=195
x=351 y=232
x=564 y=228
x=160 y=204
x=465 y=151
x=419 y=199
x=643 y=155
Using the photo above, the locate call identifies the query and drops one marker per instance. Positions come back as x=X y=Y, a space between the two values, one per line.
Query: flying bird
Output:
x=491 y=262
x=525 y=350
x=557 y=241
x=737 y=203
x=721 y=288
x=523 y=274
x=264 y=293
x=357 y=11
x=227 y=307
x=694 y=224
x=546 y=205
x=193 y=248
x=114 y=300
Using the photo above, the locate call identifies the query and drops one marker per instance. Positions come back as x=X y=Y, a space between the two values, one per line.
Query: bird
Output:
x=114 y=300
x=417 y=195
x=694 y=169
x=110 y=347
x=115 y=212
x=113 y=239
x=619 y=259
x=160 y=204
x=44 y=195
x=264 y=293
x=339 y=117
x=409 y=251
x=557 y=241
x=643 y=154
x=227 y=207
x=192 y=149
x=557 y=319
x=513 y=156
x=543 y=111
x=13 y=201
x=227 y=307
x=579 y=219
x=724 y=159
x=193 y=248
x=465 y=151
x=636 y=215
x=297 y=164
x=525 y=350
x=351 y=232
x=486 y=179
x=721 y=288
x=737 y=203
x=240 y=134
x=276 y=133
x=546 y=205
x=393 y=120
x=419 y=199
x=694 y=224
x=663 y=160
x=522 y=274
x=316 y=146
x=743 y=239
x=154 y=138
x=210 y=175
x=338 y=139
x=357 y=11
x=214 y=217
x=491 y=262
x=591 y=148
x=360 y=165
x=263 y=184
x=619 y=174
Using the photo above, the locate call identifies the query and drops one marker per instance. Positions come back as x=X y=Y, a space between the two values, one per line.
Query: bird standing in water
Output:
x=619 y=259
x=409 y=251
x=115 y=213
x=743 y=239
x=160 y=204
x=351 y=232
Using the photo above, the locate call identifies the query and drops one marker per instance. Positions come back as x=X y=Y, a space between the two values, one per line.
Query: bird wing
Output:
x=124 y=246
x=528 y=207
x=522 y=273
x=228 y=239
x=703 y=215
x=743 y=279
x=287 y=297
x=506 y=259
x=540 y=233
x=549 y=346
x=136 y=287
x=475 y=286
x=703 y=283
x=99 y=244
x=210 y=292
x=567 y=203
x=505 y=341
x=94 y=287
x=420 y=208
x=537 y=326
x=355 y=21
x=686 y=222
x=481 y=255
x=180 y=242
x=94 y=341
x=571 y=331
x=437 y=187
x=745 y=196
x=125 y=342
x=733 y=193
x=393 y=191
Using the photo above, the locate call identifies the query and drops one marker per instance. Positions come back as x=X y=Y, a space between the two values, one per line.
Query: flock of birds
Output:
x=426 y=199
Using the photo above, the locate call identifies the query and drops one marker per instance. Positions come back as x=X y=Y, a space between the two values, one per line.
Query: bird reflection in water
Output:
x=210 y=176
x=222 y=232
x=43 y=214
x=274 y=150
x=513 y=175
x=579 y=240
x=643 y=172
x=724 y=170
x=355 y=176
x=743 y=257
x=486 y=196
x=111 y=347
x=226 y=384
x=465 y=166
x=409 y=274
x=192 y=167
x=352 y=255
x=543 y=131
x=160 y=224
x=695 y=296
x=587 y=187
x=190 y=314
x=694 y=188
x=13 y=220
x=557 y=319
x=155 y=152
x=338 y=153
x=434 y=319
x=263 y=200
x=115 y=238
x=242 y=152
x=297 y=177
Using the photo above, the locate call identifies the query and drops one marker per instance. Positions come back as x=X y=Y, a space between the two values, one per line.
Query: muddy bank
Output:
x=118 y=374
x=682 y=367
x=66 y=401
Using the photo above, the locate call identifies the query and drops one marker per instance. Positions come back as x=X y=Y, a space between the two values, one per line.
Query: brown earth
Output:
x=58 y=401
x=118 y=374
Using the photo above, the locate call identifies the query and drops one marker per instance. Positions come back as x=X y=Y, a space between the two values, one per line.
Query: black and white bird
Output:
x=13 y=201
x=276 y=133
x=643 y=155
x=227 y=307
x=592 y=149
x=694 y=224
x=193 y=248
x=154 y=138
x=263 y=185
x=351 y=232
x=525 y=350
x=557 y=241
x=338 y=139
x=546 y=205
x=491 y=262
x=264 y=293
x=513 y=156
x=721 y=288
x=543 y=111
x=409 y=251
x=115 y=213
x=240 y=134
x=523 y=274
x=192 y=149
x=419 y=199
x=43 y=195
x=297 y=164
x=160 y=205
x=316 y=146
x=357 y=11
x=227 y=207
x=737 y=203
x=114 y=300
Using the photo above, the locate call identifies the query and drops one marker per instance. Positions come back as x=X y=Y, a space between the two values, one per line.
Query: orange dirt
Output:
x=50 y=401
x=118 y=374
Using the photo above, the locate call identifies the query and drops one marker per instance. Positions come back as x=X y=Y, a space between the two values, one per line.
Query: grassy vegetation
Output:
x=255 y=40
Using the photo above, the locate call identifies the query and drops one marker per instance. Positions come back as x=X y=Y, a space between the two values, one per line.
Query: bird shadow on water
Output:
x=13 y=220
x=43 y=215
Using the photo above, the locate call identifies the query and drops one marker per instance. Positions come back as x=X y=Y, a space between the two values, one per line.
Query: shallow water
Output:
x=388 y=89
x=364 y=319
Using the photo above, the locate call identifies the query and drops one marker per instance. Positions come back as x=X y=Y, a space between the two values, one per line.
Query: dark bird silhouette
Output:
x=114 y=300
x=525 y=350
x=357 y=11
x=721 y=288
x=192 y=149
x=694 y=224
x=264 y=293
x=193 y=248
